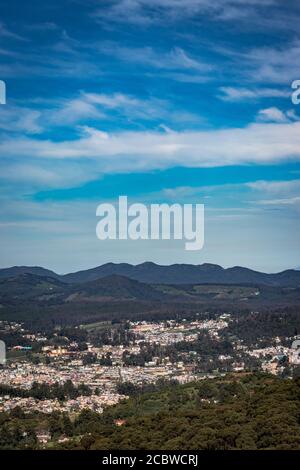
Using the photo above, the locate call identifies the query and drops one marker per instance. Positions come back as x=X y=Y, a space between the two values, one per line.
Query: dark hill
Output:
x=115 y=287
x=19 y=270
x=187 y=274
x=152 y=273
x=29 y=287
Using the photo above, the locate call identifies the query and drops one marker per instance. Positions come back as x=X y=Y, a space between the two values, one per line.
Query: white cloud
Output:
x=272 y=114
x=244 y=94
x=270 y=65
x=89 y=106
x=25 y=176
x=129 y=106
x=72 y=111
x=275 y=65
x=283 y=189
x=276 y=187
x=18 y=119
x=260 y=143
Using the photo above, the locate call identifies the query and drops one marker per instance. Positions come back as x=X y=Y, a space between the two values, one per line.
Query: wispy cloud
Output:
x=274 y=64
x=258 y=143
x=7 y=33
x=174 y=59
x=26 y=177
x=88 y=107
x=18 y=119
x=276 y=187
x=73 y=111
x=251 y=94
x=145 y=13
x=101 y=106
x=277 y=193
x=290 y=201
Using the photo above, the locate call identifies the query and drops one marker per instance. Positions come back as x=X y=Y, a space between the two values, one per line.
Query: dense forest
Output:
x=239 y=411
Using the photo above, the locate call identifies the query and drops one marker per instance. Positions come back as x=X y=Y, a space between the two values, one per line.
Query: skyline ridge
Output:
x=149 y=272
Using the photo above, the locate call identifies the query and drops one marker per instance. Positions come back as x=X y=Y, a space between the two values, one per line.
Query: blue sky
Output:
x=161 y=100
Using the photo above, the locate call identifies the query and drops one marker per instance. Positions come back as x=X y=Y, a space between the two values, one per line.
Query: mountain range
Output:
x=173 y=274
x=30 y=289
x=43 y=298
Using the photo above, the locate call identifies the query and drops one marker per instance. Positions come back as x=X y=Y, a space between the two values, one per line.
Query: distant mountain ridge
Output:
x=173 y=274
x=15 y=271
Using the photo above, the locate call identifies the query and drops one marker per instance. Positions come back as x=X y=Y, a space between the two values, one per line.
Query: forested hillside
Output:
x=256 y=412
x=241 y=411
